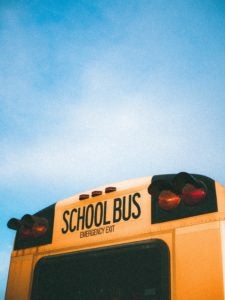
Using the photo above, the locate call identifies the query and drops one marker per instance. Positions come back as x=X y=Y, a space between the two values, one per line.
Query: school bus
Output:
x=159 y=237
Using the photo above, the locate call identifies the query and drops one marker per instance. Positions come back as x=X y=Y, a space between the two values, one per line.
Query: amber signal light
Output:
x=168 y=200
x=96 y=193
x=83 y=196
x=110 y=189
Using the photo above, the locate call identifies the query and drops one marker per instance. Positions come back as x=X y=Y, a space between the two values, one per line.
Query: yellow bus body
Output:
x=196 y=244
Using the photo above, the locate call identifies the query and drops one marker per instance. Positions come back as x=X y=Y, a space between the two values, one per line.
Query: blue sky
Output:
x=93 y=92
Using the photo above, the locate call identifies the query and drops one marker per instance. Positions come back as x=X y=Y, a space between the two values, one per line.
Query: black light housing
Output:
x=33 y=230
x=181 y=179
x=181 y=195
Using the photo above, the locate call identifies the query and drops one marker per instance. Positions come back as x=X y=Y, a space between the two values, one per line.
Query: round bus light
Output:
x=192 y=195
x=32 y=227
x=39 y=230
x=168 y=200
x=25 y=232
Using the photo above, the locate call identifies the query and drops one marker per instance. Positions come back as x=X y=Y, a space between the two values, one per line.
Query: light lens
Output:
x=38 y=230
x=83 y=196
x=192 y=195
x=168 y=200
x=110 y=189
x=25 y=232
x=96 y=193
x=32 y=232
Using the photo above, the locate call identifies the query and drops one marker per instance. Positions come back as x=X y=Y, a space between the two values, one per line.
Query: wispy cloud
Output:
x=98 y=139
x=76 y=110
x=92 y=93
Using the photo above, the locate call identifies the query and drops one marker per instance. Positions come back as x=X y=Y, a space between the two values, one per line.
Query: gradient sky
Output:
x=93 y=92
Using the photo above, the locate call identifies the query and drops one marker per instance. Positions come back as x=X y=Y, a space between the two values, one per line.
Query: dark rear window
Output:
x=134 y=271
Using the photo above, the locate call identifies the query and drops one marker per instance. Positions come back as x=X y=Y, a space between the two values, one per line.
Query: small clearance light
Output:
x=83 y=196
x=96 y=193
x=168 y=200
x=110 y=189
x=192 y=195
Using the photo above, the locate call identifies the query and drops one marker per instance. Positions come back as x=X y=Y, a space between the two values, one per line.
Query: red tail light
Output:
x=168 y=200
x=32 y=227
x=25 y=232
x=192 y=195
x=34 y=231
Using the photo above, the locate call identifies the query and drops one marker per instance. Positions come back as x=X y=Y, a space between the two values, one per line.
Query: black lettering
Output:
x=110 y=229
x=81 y=217
x=66 y=213
x=89 y=216
x=98 y=214
x=138 y=213
x=117 y=213
x=126 y=208
x=105 y=222
x=73 y=211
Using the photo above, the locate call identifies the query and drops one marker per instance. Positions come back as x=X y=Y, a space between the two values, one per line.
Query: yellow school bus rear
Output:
x=159 y=237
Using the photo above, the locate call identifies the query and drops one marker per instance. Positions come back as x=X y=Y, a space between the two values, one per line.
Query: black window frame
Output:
x=159 y=245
